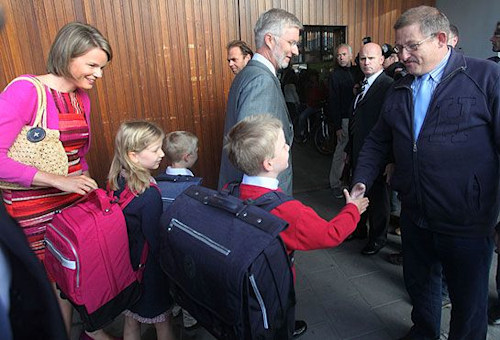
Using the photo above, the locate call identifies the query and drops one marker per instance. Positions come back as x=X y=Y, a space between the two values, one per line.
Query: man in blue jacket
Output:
x=441 y=123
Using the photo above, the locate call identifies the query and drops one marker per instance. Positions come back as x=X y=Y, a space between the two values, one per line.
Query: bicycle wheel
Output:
x=325 y=140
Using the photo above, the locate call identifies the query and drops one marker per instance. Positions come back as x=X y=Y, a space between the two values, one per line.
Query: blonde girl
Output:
x=138 y=150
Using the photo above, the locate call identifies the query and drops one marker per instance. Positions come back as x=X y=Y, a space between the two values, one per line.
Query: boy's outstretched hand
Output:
x=361 y=203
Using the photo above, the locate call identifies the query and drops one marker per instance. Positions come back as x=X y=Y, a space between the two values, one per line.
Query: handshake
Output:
x=356 y=197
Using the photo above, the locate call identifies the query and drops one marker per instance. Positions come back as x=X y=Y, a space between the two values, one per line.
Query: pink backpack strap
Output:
x=125 y=198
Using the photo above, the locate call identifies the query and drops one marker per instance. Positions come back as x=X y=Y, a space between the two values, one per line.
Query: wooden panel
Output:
x=170 y=57
x=169 y=65
x=373 y=18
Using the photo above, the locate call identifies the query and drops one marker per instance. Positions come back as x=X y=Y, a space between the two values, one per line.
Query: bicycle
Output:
x=325 y=139
x=321 y=130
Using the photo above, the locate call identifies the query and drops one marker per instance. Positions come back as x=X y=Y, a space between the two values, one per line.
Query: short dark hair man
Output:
x=454 y=36
x=495 y=44
x=441 y=125
x=238 y=55
x=392 y=66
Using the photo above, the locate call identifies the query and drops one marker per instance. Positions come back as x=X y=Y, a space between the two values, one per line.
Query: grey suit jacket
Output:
x=256 y=90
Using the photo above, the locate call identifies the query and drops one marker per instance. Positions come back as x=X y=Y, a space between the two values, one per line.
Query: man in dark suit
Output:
x=365 y=113
x=256 y=89
x=32 y=307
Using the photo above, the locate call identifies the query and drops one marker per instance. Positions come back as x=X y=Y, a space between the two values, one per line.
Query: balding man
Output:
x=365 y=113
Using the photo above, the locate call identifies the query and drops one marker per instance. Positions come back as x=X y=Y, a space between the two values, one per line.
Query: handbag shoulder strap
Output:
x=41 y=114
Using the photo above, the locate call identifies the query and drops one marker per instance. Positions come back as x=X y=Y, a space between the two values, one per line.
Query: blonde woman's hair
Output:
x=179 y=143
x=133 y=137
x=251 y=141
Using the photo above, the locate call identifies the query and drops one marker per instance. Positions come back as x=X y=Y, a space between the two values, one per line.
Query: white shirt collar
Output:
x=260 y=58
x=373 y=77
x=178 y=171
x=265 y=182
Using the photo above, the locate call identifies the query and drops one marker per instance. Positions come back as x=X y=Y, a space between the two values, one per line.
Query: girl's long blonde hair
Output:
x=133 y=136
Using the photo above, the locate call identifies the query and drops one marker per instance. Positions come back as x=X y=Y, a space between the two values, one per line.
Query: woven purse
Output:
x=36 y=145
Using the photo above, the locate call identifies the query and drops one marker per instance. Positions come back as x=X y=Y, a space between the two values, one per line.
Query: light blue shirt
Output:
x=261 y=59
x=265 y=182
x=434 y=79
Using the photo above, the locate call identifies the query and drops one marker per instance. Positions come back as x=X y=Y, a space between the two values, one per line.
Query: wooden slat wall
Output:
x=169 y=62
x=363 y=18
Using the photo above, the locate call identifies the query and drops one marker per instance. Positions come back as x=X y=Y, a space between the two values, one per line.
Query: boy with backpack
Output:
x=257 y=147
x=181 y=149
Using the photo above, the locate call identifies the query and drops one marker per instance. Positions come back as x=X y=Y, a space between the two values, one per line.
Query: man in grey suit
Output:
x=256 y=89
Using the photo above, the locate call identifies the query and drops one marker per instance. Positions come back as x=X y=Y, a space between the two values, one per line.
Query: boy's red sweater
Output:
x=307 y=230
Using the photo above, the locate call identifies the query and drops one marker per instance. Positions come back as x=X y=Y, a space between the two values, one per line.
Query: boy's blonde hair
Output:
x=133 y=136
x=179 y=143
x=251 y=141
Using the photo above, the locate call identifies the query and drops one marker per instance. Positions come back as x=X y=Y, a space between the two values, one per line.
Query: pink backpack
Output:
x=88 y=256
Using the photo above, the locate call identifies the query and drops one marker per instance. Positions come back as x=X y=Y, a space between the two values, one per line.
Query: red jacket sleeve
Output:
x=308 y=231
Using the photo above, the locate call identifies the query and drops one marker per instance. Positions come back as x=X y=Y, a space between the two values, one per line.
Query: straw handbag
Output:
x=37 y=145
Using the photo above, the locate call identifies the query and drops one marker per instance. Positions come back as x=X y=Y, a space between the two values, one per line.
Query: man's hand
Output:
x=358 y=190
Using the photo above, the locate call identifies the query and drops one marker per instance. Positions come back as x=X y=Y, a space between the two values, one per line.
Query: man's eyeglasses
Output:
x=412 y=47
x=292 y=43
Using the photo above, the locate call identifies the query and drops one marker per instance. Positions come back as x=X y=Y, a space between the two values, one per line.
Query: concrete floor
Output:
x=340 y=293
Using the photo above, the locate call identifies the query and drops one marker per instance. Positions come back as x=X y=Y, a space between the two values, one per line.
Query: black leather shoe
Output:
x=372 y=248
x=494 y=315
x=300 y=328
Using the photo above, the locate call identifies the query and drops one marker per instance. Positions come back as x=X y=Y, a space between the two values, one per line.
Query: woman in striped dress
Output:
x=76 y=60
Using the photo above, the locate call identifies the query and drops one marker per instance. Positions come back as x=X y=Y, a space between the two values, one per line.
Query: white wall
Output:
x=476 y=20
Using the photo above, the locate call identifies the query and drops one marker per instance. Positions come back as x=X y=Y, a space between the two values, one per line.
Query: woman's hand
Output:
x=81 y=184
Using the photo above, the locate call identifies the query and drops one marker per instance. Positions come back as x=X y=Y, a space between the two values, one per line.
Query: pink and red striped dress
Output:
x=33 y=209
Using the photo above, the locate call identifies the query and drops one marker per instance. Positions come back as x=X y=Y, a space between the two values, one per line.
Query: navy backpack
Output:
x=227 y=265
x=172 y=185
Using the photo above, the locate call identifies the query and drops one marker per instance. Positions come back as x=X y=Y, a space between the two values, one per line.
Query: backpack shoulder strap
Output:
x=232 y=188
x=271 y=200
x=126 y=197
x=268 y=201
x=177 y=178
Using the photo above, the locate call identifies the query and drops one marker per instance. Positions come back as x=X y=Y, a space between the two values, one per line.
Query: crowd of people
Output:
x=417 y=120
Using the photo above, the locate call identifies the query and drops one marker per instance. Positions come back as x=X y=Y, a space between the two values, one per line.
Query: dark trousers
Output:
x=498 y=279
x=378 y=213
x=465 y=262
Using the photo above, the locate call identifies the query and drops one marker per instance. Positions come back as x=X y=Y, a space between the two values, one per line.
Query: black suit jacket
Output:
x=366 y=114
x=34 y=311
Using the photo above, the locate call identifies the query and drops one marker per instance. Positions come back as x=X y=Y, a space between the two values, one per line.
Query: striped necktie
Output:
x=361 y=93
